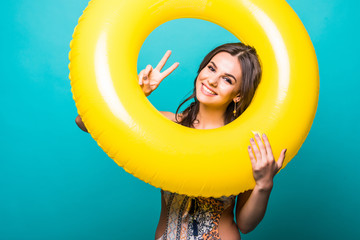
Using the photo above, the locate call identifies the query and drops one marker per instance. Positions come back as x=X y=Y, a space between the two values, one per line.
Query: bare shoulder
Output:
x=171 y=116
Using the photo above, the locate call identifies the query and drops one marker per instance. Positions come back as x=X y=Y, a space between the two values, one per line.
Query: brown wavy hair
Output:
x=251 y=75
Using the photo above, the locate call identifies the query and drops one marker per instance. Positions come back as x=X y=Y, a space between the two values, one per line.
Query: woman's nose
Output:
x=212 y=81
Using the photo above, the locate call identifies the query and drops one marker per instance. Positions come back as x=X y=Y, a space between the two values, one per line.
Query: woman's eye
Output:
x=228 y=80
x=211 y=68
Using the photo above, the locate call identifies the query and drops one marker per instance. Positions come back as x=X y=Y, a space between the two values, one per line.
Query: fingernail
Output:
x=285 y=150
x=263 y=135
x=251 y=139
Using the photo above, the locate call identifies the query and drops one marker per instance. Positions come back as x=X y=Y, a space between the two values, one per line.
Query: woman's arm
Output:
x=251 y=208
x=80 y=123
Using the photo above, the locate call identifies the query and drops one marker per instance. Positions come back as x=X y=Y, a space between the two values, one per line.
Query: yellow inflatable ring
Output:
x=213 y=162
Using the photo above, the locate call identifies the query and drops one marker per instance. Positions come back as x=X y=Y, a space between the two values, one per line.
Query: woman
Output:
x=223 y=89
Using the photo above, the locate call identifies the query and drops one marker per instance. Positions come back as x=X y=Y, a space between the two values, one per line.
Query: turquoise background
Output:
x=56 y=183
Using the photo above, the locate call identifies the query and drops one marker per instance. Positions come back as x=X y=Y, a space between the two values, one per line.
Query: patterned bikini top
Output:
x=193 y=218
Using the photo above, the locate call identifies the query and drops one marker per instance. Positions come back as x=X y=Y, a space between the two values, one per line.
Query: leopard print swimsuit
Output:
x=192 y=218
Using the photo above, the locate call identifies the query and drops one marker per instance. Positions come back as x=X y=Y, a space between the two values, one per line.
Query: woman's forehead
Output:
x=227 y=63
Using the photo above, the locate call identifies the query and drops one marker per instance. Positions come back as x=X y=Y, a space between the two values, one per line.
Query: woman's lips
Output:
x=207 y=91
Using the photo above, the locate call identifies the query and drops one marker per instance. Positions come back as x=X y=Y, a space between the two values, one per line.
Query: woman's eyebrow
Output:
x=227 y=74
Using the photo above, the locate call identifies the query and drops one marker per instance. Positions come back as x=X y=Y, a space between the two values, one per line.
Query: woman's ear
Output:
x=237 y=98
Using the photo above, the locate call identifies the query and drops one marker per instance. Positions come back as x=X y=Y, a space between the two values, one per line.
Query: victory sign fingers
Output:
x=150 y=78
x=162 y=63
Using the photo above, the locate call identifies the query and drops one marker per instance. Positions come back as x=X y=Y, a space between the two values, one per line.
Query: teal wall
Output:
x=56 y=183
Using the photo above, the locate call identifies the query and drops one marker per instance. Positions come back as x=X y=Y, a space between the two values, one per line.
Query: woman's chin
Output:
x=207 y=103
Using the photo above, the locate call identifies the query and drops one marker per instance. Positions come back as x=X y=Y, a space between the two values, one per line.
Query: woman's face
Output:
x=219 y=81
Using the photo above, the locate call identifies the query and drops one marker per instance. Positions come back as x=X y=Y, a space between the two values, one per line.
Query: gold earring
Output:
x=234 y=110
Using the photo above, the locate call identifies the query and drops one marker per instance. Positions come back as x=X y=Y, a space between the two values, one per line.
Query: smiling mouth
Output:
x=207 y=91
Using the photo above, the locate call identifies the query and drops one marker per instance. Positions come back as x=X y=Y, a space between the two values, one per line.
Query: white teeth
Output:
x=208 y=90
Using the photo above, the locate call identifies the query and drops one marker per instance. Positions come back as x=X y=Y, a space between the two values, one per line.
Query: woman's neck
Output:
x=209 y=118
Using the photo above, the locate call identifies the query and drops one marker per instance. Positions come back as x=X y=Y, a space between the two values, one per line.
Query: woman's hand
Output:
x=149 y=78
x=263 y=164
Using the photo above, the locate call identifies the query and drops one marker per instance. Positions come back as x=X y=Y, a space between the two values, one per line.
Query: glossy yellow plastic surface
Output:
x=213 y=162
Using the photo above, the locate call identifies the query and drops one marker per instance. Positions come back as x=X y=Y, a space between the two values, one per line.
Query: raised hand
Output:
x=149 y=78
x=263 y=163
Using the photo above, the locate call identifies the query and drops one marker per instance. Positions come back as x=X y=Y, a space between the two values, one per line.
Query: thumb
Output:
x=281 y=159
x=148 y=70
